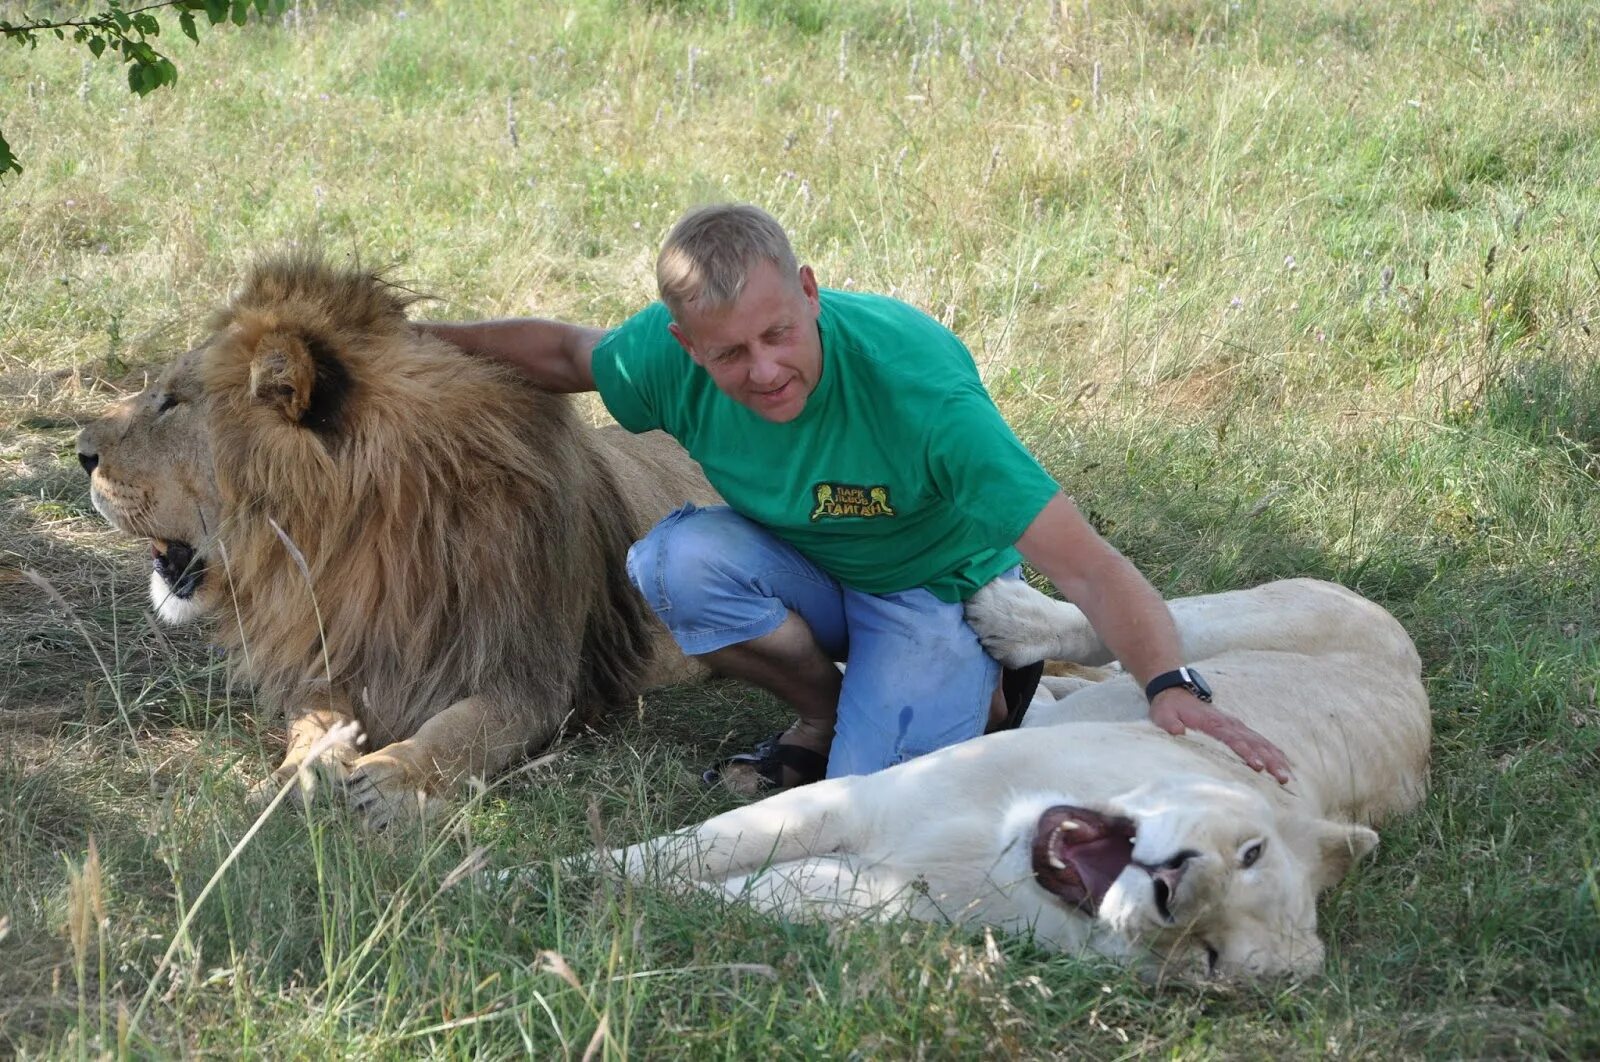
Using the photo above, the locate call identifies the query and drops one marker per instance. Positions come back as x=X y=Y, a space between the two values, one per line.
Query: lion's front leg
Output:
x=329 y=738
x=409 y=779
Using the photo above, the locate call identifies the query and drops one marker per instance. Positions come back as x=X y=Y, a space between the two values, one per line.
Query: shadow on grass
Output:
x=1473 y=930
x=1476 y=924
x=95 y=652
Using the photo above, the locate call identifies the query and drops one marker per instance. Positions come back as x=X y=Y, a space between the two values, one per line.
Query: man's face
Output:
x=764 y=351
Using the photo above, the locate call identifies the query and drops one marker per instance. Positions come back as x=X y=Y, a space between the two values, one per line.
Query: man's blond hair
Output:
x=710 y=252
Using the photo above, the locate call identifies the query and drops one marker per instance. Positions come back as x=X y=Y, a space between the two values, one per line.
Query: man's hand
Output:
x=1133 y=622
x=556 y=356
x=1176 y=710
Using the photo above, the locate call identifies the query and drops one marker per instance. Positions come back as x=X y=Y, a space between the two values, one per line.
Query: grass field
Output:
x=1274 y=288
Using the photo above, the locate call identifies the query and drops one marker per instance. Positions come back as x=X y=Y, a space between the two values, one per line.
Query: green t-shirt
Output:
x=900 y=472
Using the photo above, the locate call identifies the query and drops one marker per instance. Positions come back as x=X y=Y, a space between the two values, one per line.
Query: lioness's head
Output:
x=1204 y=873
x=150 y=475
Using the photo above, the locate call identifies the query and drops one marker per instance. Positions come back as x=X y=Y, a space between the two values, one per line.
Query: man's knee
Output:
x=683 y=552
x=918 y=680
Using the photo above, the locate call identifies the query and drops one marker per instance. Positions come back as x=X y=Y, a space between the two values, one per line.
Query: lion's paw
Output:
x=1018 y=626
x=384 y=788
x=305 y=777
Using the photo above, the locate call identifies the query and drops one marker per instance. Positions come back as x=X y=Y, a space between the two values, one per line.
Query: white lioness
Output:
x=1091 y=828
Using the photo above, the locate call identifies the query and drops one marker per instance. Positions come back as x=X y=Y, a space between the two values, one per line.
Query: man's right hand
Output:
x=1177 y=710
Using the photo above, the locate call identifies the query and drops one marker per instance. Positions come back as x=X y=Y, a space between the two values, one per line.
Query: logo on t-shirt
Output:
x=846 y=499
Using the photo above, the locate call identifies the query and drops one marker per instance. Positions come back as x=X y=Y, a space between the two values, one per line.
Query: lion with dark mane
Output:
x=391 y=534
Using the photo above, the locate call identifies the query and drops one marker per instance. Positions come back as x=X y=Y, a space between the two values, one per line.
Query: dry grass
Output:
x=1299 y=288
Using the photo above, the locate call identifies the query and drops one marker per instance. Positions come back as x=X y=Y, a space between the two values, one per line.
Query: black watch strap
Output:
x=1186 y=677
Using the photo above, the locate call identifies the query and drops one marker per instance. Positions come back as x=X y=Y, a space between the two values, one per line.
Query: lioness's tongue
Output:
x=1078 y=853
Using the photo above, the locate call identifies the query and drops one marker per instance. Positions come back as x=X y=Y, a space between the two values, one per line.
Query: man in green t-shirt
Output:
x=871 y=487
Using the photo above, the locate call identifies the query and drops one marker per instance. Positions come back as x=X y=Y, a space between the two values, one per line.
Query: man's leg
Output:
x=789 y=664
x=917 y=680
x=752 y=607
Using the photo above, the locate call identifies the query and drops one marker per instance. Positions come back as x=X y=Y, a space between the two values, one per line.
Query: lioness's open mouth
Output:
x=1078 y=853
x=178 y=566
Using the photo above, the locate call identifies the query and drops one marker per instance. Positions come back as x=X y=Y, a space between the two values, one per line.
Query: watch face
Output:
x=1197 y=683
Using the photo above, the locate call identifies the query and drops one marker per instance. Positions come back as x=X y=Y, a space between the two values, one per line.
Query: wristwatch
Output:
x=1186 y=677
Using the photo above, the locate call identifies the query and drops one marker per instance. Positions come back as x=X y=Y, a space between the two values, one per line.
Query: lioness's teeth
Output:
x=1056 y=861
x=1067 y=825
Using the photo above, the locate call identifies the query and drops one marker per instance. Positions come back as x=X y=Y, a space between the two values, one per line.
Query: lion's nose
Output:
x=90 y=462
x=1172 y=870
x=1164 y=878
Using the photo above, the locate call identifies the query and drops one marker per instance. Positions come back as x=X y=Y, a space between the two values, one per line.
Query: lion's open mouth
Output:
x=1078 y=853
x=179 y=567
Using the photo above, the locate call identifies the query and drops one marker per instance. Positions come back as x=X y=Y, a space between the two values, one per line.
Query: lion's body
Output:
x=397 y=532
x=1155 y=858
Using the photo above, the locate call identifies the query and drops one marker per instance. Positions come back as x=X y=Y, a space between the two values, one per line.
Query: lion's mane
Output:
x=415 y=525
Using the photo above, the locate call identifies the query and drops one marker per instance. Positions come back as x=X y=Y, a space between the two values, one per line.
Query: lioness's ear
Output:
x=1337 y=846
x=283 y=374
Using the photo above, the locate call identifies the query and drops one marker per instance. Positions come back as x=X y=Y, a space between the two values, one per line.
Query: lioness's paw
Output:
x=384 y=788
x=1017 y=625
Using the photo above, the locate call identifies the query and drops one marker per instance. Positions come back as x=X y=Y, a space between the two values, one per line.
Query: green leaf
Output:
x=186 y=23
x=216 y=10
x=97 y=45
x=136 y=78
x=8 y=161
x=241 y=11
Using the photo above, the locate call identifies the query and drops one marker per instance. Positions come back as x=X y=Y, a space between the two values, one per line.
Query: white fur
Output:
x=171 y=608
x=1327 y=675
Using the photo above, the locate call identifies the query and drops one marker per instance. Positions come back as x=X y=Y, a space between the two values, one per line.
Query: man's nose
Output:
x=764 y=367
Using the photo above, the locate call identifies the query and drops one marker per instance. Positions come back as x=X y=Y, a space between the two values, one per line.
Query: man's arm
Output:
x=1133 y=621
x=554 y=355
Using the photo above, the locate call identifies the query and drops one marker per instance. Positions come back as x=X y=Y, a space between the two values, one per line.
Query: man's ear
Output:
x=808 y=285
x=283 y=374
x=1334 y=847
x=683 y=340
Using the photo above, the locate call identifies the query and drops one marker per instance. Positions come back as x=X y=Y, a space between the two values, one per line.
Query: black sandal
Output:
x=769 y=758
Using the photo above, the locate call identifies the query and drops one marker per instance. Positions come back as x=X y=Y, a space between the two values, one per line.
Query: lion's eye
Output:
x=1251 y=853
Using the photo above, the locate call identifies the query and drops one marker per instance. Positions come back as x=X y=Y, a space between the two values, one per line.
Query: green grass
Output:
x=1288 y=288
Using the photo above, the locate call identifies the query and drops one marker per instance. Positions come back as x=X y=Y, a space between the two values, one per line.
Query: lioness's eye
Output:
x=167 y=402
x=1248 y=857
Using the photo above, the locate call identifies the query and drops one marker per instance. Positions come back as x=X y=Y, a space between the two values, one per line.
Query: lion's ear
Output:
x=283 y=374
x=1335 y=848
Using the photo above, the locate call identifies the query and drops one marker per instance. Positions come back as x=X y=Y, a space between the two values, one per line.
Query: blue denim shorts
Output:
x=917 y=679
